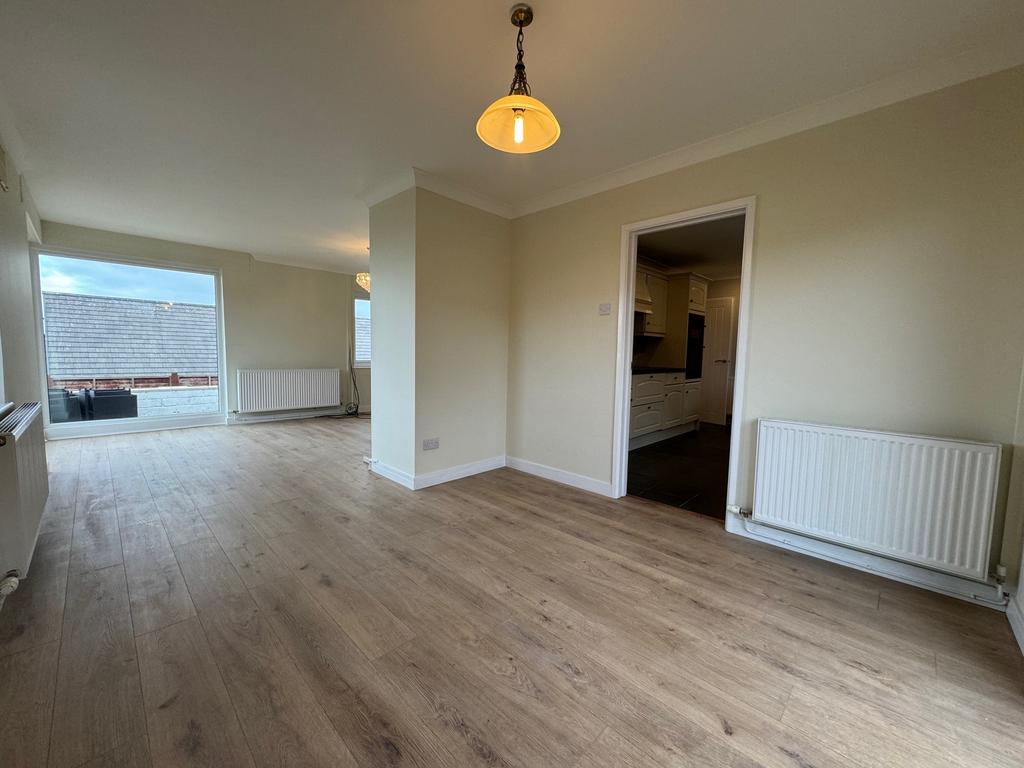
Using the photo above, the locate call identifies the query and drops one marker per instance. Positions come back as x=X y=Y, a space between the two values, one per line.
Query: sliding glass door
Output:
x=128 y=342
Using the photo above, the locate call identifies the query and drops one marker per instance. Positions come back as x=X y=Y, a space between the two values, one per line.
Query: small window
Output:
x=362 y=316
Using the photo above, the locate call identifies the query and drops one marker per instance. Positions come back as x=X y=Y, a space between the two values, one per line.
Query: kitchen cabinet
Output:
x=691 y=401
x=698 y=294
x=652 y=292
x=647 y=418
x=657 y=321
x=673 y=411
x=659 y=404
x=647 y=387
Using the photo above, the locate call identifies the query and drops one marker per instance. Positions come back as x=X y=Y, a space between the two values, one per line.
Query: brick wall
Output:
x=176 y=401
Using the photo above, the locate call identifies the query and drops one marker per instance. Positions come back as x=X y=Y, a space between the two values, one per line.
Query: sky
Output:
x=60 y=274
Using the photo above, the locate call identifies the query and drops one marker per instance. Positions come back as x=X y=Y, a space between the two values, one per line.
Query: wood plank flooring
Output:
x=252 y=596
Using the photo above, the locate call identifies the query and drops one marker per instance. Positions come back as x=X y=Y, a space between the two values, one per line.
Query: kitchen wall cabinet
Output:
x=698 y=294
x=656 y=322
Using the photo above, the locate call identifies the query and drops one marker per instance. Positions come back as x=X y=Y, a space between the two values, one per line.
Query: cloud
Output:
x=52 y=279
x=103 y=278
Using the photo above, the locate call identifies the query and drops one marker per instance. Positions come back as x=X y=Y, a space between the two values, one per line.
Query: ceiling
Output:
x=710 y=248
x=261 y=126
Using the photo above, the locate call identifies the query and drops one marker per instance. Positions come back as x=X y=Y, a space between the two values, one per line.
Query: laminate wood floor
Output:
x=252 y=596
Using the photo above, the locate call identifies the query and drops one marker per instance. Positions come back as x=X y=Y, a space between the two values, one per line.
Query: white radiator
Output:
x=922 y=500
x=261 y=390
x=24 y=485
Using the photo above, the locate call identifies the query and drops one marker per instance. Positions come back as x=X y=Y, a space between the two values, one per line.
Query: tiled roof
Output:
x=98 y=336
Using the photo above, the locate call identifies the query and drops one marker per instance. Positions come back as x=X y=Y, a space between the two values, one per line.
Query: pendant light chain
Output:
x=519 y=84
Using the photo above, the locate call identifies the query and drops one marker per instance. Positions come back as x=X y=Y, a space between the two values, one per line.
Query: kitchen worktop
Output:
x=655 y=369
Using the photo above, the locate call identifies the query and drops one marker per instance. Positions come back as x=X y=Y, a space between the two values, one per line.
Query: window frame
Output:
x=359 y=295
x=121 y=426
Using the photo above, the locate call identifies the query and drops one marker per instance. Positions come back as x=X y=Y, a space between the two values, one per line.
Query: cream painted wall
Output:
x=19 y=342
x=275 y=316
x=393 y=331
x=440 y=332
x=365 y=384
x=463 y=260
x=886 y=281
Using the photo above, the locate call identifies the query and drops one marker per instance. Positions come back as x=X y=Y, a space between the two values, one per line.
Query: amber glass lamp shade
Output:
x=537 y=127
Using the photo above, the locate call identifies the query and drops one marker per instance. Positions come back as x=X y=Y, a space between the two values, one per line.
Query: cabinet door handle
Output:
x=721 y=361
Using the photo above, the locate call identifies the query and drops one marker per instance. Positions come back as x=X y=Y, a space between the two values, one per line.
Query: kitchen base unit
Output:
x=662 y=405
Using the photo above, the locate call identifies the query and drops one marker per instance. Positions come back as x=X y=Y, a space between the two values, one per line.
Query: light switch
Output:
x=604 y=309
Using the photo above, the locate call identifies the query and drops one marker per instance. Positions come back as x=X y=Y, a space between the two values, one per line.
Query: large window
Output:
x=125 y=341
x=362 y=320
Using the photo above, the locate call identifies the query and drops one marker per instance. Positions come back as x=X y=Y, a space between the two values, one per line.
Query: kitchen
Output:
x=684 y=338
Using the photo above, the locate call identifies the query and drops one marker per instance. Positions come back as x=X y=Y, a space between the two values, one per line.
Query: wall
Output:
x=440 y=333
x=275 y=316
x=724 y=289
x=886 y=282
x=463 y=259
x=176 y=401
x=393 y=331
x=365 y=384
x=19 y=345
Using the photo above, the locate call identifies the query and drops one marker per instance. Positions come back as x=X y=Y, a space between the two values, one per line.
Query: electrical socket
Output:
x=431 y=443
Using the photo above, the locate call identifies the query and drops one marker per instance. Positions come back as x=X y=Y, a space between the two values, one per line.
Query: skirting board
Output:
x=486 y=465
x=1016 y=617
x=392 y=474
x=584 y=483
x=987 y=595
x=255 y=418
x=455 y=473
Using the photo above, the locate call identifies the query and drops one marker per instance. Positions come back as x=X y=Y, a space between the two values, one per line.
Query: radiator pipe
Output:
x=8 y=584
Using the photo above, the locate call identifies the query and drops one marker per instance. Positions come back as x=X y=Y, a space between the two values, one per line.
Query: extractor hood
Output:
x=643 y=301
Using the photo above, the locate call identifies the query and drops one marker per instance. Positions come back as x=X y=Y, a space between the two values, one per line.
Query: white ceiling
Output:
x=261 y=125
x=710 y=248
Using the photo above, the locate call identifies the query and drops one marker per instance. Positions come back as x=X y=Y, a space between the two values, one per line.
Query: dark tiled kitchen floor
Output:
x=689 y=471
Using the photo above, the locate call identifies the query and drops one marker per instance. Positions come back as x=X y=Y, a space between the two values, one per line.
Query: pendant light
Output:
x=363 y=280
x=518 y=123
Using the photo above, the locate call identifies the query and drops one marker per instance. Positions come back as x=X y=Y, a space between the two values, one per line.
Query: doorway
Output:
x=681 y=356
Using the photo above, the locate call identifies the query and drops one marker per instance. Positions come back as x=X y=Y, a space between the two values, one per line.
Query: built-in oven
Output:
x=694 y=346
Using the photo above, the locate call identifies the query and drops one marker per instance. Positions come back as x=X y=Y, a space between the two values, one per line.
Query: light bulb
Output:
x=517 y=127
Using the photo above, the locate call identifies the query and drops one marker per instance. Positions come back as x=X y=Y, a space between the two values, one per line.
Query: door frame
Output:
x=126 y=426
x=732 y=352
x=623 y=357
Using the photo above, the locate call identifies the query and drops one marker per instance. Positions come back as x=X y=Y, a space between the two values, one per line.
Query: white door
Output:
x=718 y=341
